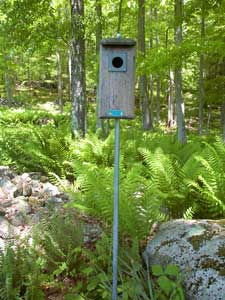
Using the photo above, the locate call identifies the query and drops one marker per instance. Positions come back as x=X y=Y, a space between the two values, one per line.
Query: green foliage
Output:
x=26 y=269
x=160 y=181
x=61 y=243
x=168 y=283
x=20 y=273
x=34 y=148
x=20 y=116
x=134 y=280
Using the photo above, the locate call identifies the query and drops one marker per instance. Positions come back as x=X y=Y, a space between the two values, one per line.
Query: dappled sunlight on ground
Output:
x=49 y=106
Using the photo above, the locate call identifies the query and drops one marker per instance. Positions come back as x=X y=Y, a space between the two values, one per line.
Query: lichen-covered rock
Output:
x=198 y=248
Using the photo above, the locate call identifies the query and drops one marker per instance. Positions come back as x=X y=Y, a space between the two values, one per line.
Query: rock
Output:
x=2 y=211
x=24 y=200
x=198 y=248
x=18 y=192
x=18 y=212
x=6 y=229
x=27 y=190
x=92 y=233
x=23 y=185
x=54 y=200
x=6 y=203
x=50 y=189
x=2 y=244
x=21 y=204
x=36 y=188
x=43 y=179
x=35 y=175
x=25 y=177
x=19 y=219
x=35 y=202
x=35 y=218
x=7 y=188
x=6 y=172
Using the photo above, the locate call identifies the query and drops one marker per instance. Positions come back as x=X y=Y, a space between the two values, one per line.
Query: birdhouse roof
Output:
x=118 y=42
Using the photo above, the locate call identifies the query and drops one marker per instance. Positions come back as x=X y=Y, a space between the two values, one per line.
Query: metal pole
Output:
x=116 y=208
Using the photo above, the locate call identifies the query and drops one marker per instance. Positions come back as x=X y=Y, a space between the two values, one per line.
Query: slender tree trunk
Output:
x=8 y=81
x=146 y=115
x=78 y=88
x=158 y=90
x=170 y=92
x=151 y=80
x=98 y=8
x=201 y=79
x=151 y=96
x=59 y=79
x=158 y=84
x=208 y=117
x=178 y=75
x=170 y=121
x=69 y=65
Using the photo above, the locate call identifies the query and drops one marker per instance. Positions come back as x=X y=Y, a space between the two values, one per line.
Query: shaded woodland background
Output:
x=180 y=64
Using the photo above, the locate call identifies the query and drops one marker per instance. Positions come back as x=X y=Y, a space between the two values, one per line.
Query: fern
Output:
x=60 y=242
x=208 y=184
x=37 y=149
x=166 y=177
x=19 y=274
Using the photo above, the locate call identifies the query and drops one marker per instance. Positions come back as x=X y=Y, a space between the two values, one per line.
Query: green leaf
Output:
x=125 y=296
x=105 y=294
x=92 y=285
x=157 y=270
x=87 y=270
x=73 y=297
x=172 y=270
x=165 y=284
x=61 y=269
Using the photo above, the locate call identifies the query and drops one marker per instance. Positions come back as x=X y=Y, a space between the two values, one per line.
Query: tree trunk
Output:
x=182 y=138
x=201 y=79
x=146 y=115
x=158 y=89
x=170 y=92
x=69 y=68
x=98 y=8
x=78 y=88
x=170 y=121
x=151 y=80
x=158 y=84
x=208 y=117
x=59 y=79
x=8 y=81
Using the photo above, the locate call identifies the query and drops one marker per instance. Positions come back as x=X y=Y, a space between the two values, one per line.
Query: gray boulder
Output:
x=6 y=172
x=198 y=248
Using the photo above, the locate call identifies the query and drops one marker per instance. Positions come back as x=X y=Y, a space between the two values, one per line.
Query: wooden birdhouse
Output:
x=117 y=76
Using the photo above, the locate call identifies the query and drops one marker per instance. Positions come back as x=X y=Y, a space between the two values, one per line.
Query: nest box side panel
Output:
x=116 y=83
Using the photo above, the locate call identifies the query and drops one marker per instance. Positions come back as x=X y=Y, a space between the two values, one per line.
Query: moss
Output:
x=166 y=243
x=197 y=240
x=218 y=222
x=221 y=251
x=210 y=263
x=221 y=254
x=222 y=272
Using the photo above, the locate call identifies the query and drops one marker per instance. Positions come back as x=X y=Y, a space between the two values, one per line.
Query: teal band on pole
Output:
x=116 y=208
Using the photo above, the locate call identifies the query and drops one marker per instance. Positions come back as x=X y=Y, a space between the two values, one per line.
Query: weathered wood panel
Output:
x=116 y=88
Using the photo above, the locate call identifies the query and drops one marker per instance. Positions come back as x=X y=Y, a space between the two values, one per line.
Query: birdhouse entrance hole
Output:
x=117 y=62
